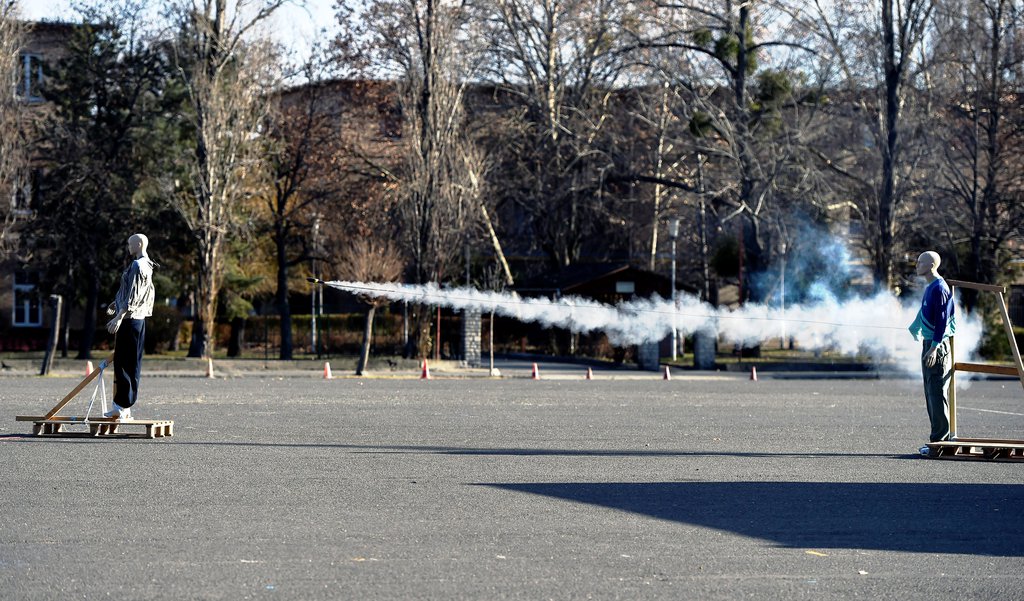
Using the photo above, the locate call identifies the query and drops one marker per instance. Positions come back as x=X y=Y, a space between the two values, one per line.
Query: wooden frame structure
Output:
x=52 y=424
x=980 y=448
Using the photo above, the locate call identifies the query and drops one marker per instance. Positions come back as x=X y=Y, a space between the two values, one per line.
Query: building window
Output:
x=390 y=120
x=622 y=287
x=30 y=84
x=26 y=194
x=28 y=309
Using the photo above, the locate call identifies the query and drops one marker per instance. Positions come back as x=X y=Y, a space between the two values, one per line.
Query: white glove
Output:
x=111 y=309
x=932 y=357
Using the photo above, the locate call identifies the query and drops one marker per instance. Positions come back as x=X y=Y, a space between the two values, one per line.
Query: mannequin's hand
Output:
x=111 y=309
x=932 y=357
x=114 y=324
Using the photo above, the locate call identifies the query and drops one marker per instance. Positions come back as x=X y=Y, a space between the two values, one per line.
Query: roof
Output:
x=581 y=279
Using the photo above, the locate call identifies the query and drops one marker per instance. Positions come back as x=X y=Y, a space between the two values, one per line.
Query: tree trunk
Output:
x=424 y=339
x=890 y=150
x=237 y=337
x=207 y=288
x=705 y=260
x=175 y=344
x=56 y=306
x=753 y=258
x=284 y=309
x=65 y=326
x=364 y=356
x=89 y=325
x=197 y=344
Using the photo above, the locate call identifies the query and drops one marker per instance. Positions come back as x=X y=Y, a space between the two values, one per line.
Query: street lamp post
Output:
x=314 y=346
x=674 y=235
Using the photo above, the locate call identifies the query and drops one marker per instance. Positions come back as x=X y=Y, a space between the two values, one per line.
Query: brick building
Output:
x=23 y=318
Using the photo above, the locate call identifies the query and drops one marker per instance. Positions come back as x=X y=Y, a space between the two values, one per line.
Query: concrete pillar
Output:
x=648 y=356
x=704 y=343
x=471 y=337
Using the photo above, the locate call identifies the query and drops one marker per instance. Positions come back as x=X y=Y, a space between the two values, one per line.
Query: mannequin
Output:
x=132 y=305
x=934 y=324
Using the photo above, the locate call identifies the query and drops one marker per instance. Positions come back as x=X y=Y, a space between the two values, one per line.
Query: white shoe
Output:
x=119 y=414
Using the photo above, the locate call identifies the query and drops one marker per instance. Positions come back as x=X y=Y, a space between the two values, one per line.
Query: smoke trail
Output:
x=875 y=326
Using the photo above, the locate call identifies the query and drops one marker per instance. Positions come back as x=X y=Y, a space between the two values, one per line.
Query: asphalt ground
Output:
x=699 y=488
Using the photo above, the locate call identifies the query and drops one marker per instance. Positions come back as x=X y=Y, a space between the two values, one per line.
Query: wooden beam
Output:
x=72 y=420
x=986 y=441
x=951 y=394
x=85 y=382
x=974 y=286
x=1009 y=334
x=982 y=368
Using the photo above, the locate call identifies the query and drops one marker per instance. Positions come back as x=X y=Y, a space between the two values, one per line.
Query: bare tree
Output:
x=227 y=75
x=667 y=161
x=370 y=260
x=12 y=142
x=440 y=183
x=878 y=46
x=746 y=118
x=556 y=63
x=978 y=127
x=428 y=47
x=302 y=140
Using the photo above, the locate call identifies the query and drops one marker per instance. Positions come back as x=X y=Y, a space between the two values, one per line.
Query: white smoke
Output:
x=874 y=326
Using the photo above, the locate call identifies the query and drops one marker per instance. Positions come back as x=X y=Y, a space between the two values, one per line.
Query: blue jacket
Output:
x=935 y=320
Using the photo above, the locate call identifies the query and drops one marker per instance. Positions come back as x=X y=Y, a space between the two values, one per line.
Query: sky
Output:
x=293 y=25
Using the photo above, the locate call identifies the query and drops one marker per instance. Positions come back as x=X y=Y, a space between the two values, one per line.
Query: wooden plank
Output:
x=977 y=451
x=982 y=368
x=951 y=394
x=986 y=452
x=85 y=382
x=975 y=286
x=1013 y=341
x=102 y=427
x=82 y=434
x=104 y=422
x=1017 y=370
x=983 y=441
x=979 y=445
x=82 y=420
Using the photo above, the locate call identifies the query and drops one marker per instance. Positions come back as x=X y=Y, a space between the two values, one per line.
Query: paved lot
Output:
x=300 y=488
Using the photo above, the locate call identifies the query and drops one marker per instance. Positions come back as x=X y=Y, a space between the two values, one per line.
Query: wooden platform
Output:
x=104 y=427
x=978 y=449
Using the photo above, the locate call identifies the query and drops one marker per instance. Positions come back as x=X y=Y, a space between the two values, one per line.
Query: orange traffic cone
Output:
x=753 y=374
x=590 y=374
x=668 y=374
x=426 y=371
x=209 y=367
x=88 y=367
x=327 y=371
x=536 y=372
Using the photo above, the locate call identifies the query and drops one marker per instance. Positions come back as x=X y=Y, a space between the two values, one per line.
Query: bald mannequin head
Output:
x=138 y=243
x=928 y=263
